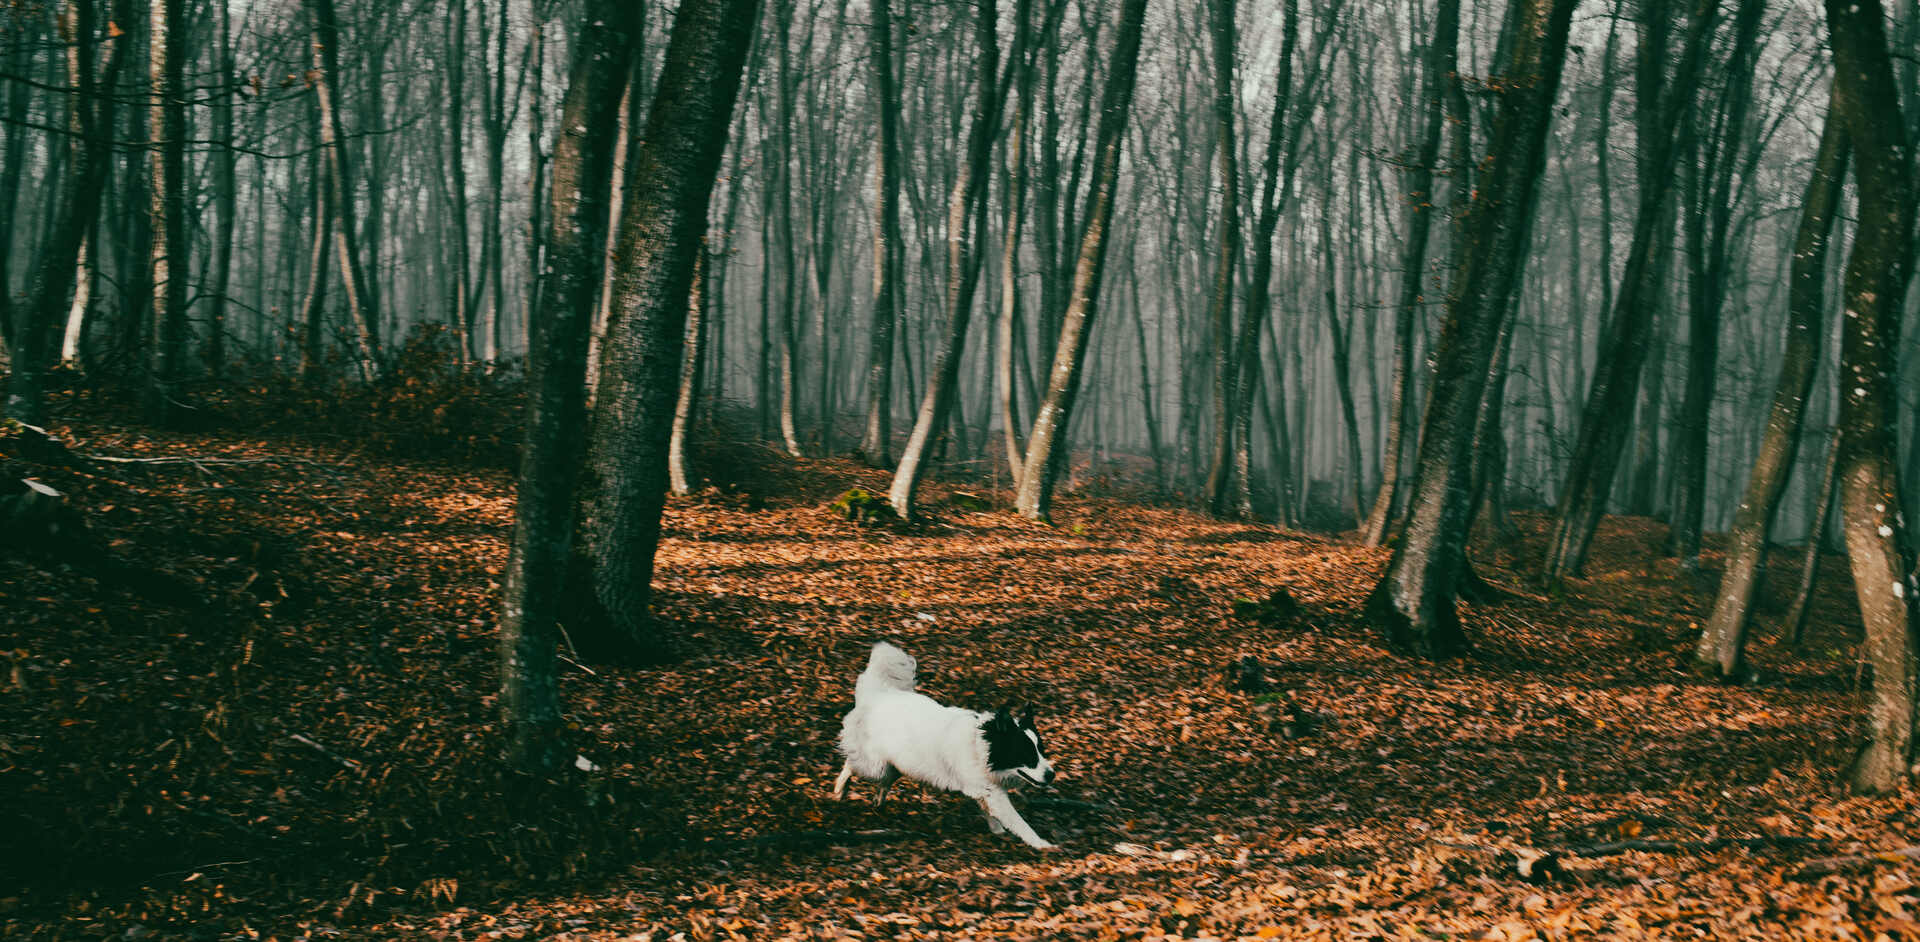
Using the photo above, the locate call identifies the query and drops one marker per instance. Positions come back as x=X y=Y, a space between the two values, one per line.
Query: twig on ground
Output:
x=345 y=763
x=1827 y=865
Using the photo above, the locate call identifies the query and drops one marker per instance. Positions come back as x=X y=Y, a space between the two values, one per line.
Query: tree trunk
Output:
x=533 y=601
x=1710 y=266
x=1047 y=444
x=1414 y=601
x=1722 y=647
x=326 y=63
x=966 y=217
x=877 y=444
x=1603 y=436
x=676 y=157
x=688 y=397
x=1442 y=56
x=1876 y=283
x=1794 y=626
x=168 y=265
x=1220 y=302
x=76 y=204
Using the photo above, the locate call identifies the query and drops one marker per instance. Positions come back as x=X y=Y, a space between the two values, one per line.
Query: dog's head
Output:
x=1013 y=746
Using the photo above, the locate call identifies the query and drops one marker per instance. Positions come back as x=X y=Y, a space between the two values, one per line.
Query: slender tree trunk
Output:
x=789 y=336
x=326 y=62
x=1220 y=303
x=1794 y=626
x=533 y=601
x=1722 y=647
x=77 y=202
x=676 y=157
x=313 y=308
x=169 y=267
x=1047 y=444
x=1876 y=284
x=1442 y=56
x=678 y=479
x=226 y=195
x=877 y=444
x=1414 y=601
x=1602 y=435
x=966 y=217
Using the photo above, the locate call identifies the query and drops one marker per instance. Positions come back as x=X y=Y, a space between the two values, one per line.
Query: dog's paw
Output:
x=1046 y=848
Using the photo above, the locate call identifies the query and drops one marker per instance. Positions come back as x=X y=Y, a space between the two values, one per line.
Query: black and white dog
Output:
x=895 y=731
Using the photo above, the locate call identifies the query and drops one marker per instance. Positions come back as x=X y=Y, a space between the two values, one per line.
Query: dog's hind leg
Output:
x=1001 y=809
x=887 y=778
x=840 y=784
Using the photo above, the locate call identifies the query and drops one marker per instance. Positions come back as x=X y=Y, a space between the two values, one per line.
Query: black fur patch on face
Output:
x=1008 y=745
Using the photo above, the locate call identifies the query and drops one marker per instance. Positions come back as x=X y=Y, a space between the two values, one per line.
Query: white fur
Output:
x=893 y=731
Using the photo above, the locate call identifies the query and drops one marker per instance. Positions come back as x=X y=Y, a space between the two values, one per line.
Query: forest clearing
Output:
x=307 y=748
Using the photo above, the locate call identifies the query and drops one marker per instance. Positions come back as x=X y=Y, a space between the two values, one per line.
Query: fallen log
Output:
x=1829 y=865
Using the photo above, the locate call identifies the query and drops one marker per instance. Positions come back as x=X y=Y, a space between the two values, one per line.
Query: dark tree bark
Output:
x=1227 y=248
x=1710 y=263
x=676 y=156
x=1442 y=56
x=533 y=600
x=877 y=444
x=76 y=204
x=1048 y=441
x=1616 y=379
x=1722 y=647
x=1870 y=486
x=1414 y=602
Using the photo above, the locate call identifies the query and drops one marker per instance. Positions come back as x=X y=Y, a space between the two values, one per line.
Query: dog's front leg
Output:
x=993 y=823
x=840 y=784
x=1001 y=809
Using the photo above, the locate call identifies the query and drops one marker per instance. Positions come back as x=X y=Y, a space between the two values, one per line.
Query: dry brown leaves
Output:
x=309 y=753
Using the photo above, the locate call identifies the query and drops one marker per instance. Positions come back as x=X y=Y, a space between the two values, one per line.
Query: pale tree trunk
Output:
x=966 y=218
x=313 y=306
x=1414 y=601
x=1722 y=647
x=1442 y=56
x=783 y=171
x=675 y=156
x=82 y=300
x=533 y=601
x=168 y=265
x=687 y=399
x=326 y=41
x=1047 y=443
x=1876 y=283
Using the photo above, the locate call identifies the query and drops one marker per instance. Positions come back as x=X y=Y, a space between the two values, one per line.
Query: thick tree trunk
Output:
x=1047 y=444
x=1876 y=284
x=1414 y=601
x=1603 y=436
x=1722 y=647
x=676 y=157
x=533 y=601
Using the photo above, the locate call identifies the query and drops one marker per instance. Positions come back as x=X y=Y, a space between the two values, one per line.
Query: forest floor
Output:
x=288 y=731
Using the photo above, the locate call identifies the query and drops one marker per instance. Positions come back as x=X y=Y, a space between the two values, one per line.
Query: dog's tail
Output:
x=888 y=668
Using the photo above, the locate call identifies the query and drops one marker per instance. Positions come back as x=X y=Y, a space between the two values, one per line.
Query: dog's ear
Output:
x=1026 y=714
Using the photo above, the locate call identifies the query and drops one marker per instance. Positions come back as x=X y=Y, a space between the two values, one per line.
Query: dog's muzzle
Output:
x=1046 y=782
